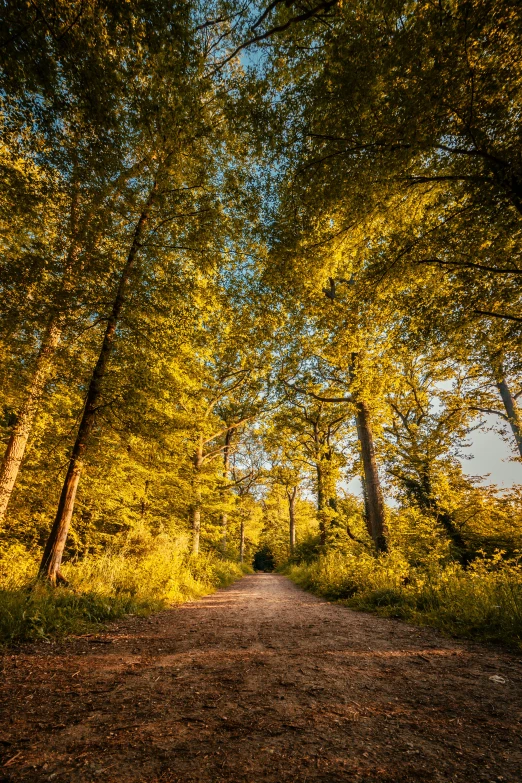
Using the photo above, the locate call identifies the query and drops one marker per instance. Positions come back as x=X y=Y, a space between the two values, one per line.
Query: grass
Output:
x=45 y=613
x=483 y=602
x=143 y=574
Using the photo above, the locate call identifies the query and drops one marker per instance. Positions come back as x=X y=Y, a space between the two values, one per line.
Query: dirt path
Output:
x=261 y=683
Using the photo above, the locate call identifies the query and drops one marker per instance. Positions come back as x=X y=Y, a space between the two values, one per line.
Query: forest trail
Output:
x=261 y=682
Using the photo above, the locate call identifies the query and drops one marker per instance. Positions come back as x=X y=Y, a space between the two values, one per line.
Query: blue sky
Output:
x=490 y=454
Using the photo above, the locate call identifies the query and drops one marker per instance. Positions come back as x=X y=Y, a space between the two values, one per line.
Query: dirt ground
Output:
x=261 y=683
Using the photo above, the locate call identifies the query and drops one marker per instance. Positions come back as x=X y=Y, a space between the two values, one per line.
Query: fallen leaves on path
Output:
x=261 y=683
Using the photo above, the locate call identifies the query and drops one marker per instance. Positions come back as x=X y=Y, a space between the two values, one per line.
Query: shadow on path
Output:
x=261 y=683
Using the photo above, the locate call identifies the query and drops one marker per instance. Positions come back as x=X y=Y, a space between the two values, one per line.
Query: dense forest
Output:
x=259 y=285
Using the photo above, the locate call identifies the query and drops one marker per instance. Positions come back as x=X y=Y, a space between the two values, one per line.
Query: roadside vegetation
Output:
x=140 y=575
x=482 y=602
x=252 y=255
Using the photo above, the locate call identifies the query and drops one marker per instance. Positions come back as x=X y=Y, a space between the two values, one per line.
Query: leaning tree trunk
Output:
x=53 y=553
x=291 y=513
x=15 y=450
x=373 y=493
x=510 y=404
x=195 y=511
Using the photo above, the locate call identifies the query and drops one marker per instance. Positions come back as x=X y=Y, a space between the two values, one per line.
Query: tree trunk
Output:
x=53 y=553
x=196 y=503
x=291 y=513
x=511 y=409
x=510 y=404
x=15 y=450
x=14 y=453
x=373 y=493
x=226 y=462
x=242 y=541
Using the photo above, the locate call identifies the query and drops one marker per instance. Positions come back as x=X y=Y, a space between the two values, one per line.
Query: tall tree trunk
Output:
x=242 y=541
x=16 y=446
x=196 y=502
x=510 y=404
x=226 y=463
x=373 y=492
x=15 y=450
x=53 y=553
x=292 y=495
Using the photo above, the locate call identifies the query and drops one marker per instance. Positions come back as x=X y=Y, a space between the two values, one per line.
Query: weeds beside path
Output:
x=261 y=682
x=482 y=602
x=131 y=580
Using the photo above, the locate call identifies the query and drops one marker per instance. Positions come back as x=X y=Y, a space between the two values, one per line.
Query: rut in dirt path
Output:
x=261 y=683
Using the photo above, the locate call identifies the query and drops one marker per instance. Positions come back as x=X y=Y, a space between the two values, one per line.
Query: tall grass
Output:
x=139 y=574
x=482 y=602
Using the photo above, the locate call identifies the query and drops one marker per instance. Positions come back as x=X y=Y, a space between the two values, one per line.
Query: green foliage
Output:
x=136 y=575
x=482 y=602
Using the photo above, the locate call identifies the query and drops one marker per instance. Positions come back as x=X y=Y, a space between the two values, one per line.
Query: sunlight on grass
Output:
x=482 y=602
x=145 y=573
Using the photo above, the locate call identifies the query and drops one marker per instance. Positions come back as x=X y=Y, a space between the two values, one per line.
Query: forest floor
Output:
x=261 y=683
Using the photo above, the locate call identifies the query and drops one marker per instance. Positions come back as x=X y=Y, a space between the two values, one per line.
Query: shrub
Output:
x=139 y=574
x=483 y=601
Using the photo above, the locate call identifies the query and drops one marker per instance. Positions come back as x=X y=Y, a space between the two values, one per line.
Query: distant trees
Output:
x=226 y=291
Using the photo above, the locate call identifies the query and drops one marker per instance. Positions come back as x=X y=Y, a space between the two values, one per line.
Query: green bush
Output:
x=483 y=601
x=141 y=574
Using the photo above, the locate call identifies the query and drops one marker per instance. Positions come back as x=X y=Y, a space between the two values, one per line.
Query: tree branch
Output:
x=317 y=396
x=499 y=315
x=324 y=6
x=471 y=264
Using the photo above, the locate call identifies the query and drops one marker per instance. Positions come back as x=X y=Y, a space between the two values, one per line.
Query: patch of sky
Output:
x=488 y=454
x=491 y=457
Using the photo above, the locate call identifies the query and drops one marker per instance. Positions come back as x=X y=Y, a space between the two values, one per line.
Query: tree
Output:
x=166 y=191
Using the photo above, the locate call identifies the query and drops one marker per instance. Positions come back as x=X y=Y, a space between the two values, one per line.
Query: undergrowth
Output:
x=481 y=602
x=141 y=574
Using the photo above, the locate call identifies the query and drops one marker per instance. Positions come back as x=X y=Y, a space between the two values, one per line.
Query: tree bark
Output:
x=242 y=541
x=15 y=450
x=53 y=553
x=374 y=501
x=292 y=495
x=510 y=405
x=196 y=502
